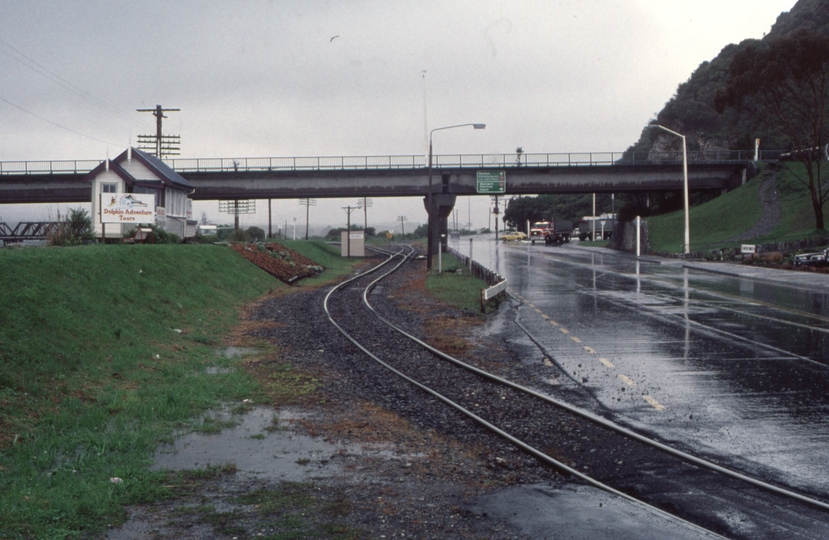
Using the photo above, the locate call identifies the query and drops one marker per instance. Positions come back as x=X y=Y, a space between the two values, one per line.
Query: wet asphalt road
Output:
x=732 y=368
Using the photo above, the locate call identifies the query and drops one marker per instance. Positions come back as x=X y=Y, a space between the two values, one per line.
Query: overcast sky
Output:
x=317 y=77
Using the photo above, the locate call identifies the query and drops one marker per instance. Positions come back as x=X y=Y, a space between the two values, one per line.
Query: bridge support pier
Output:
x=438 y=226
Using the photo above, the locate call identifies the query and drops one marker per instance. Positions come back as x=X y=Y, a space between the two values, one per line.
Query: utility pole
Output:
x=364 y=203
x=348 y=209
x=402 y=227
x=161 y=150
x=307 y=203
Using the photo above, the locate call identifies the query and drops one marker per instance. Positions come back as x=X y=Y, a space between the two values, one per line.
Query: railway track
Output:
x=701 y=496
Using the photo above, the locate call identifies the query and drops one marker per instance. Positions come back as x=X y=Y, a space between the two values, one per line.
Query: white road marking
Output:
x=653 y=403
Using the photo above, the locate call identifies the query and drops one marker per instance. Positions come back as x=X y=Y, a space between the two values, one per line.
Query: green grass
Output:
x=325 y=255
x=797 y=217
x=94 y=373
x=712 y=222
x=734 y=213
x=460 y=290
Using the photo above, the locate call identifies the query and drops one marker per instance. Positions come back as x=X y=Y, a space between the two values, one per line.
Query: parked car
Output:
x=820 y=258
x=513 y=235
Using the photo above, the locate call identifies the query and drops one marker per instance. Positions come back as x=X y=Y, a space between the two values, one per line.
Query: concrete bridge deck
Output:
x=395 y=176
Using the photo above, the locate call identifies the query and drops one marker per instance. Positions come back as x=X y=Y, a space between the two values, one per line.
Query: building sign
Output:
x=492 y=181
x=748 y=248
x=237 y=207
x=127 y=208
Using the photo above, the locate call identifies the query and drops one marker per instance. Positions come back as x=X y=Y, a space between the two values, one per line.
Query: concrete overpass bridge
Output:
x=395 y=176
x=400 y=176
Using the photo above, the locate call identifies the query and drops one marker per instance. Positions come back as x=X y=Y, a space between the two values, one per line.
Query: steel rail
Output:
x=483 y=422
x=597 y=419
x=676 y=320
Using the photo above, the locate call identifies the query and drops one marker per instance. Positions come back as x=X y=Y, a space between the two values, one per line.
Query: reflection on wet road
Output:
x=725 y=366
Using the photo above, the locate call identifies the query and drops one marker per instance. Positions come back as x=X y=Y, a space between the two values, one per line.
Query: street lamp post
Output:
x=433 y=223
x=687 y=248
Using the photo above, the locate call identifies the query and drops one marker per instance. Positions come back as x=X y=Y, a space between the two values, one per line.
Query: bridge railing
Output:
x=564 y=159
x=48 y=167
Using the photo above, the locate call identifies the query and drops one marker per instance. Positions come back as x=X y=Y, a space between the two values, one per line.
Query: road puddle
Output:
x=261 y=444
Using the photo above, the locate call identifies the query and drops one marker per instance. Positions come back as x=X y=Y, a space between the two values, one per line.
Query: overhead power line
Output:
x=19 y=56
x=58 y=125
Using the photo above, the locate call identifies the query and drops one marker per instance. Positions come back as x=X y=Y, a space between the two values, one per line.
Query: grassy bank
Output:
x=736 y=212
x=107 y=351
x=460 y=290
x=104 y=351
x=324 y=254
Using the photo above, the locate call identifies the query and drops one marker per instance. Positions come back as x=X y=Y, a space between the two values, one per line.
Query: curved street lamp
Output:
x=431 y=224
x=687 y=249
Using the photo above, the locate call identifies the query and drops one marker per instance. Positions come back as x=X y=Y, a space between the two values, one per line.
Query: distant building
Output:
x=136 y=189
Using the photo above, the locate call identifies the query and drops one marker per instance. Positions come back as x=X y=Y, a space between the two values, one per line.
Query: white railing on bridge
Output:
x=48 y=167
x=570 y=159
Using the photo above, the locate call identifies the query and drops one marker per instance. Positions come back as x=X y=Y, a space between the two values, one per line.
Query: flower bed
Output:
x=284 y=264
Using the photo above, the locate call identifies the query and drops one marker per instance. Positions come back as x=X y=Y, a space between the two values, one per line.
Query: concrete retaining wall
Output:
x=624 y=237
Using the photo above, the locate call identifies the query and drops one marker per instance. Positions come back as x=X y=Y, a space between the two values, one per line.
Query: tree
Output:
x=784 y=83
x=256 y=234
x=76 y=230
x=523 y=209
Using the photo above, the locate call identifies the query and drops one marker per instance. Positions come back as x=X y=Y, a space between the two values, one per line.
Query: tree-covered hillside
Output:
x=777 y=91
x=691 y=110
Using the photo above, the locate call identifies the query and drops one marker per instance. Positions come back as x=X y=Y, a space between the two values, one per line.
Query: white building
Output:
x=136 y=189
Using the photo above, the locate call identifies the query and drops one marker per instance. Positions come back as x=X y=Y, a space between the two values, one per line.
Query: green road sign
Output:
x=492 y=181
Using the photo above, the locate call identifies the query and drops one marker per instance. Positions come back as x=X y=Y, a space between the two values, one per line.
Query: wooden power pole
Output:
x=165 y=145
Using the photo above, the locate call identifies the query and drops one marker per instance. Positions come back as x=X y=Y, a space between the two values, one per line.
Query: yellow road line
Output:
x=627 y=380
x=606 y=362
x=588 y=349
x=545 y=316
x=553 y=322
x=653 y=403
x=564 y=331
x=574 y=338
x=538 y=310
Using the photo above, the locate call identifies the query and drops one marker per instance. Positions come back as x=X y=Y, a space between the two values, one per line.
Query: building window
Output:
x=109 y=188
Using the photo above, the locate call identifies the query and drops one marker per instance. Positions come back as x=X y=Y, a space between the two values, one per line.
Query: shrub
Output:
x=255 y=234
x=774 y=257
x=76 y=230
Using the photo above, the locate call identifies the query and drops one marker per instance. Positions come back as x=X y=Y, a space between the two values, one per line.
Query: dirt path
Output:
x=771 y=212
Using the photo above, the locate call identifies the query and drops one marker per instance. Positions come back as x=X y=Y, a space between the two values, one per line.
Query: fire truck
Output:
x=552 y=232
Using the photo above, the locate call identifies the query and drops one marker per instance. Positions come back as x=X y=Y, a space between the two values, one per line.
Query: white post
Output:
x=687 y=212
x=440 y=255
x=638 y=231
x=687 y=248
x=470 y=255
x=593 y=233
